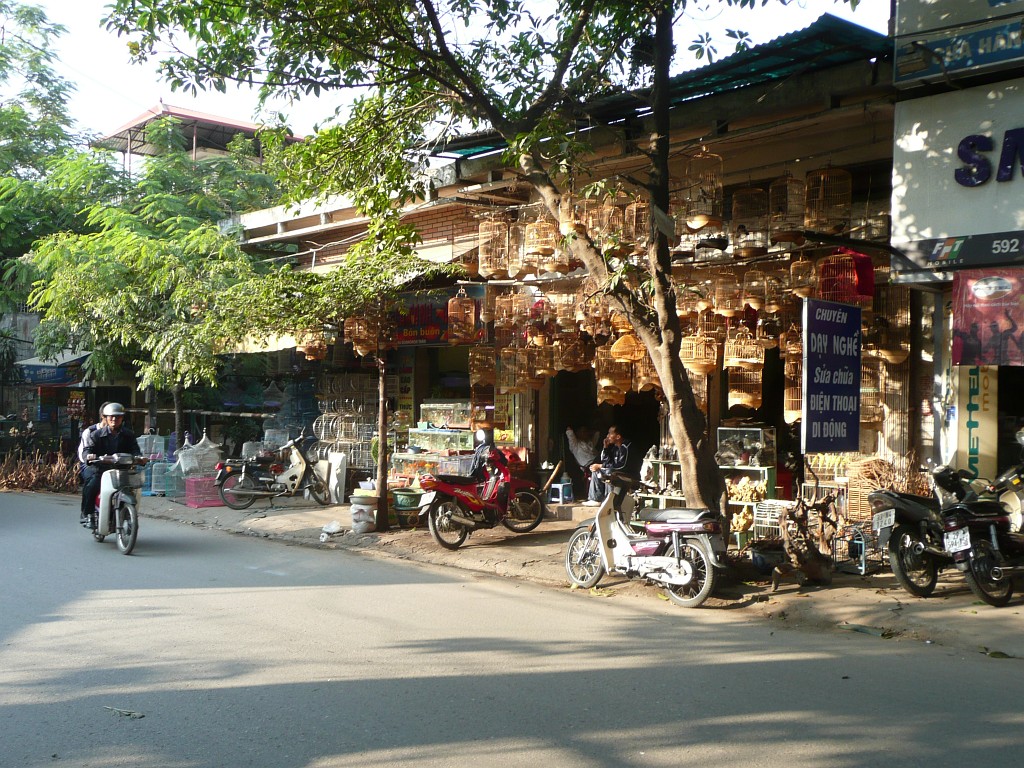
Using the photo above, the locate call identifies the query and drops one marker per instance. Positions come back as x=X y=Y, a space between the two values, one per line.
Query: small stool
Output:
x=561 y=493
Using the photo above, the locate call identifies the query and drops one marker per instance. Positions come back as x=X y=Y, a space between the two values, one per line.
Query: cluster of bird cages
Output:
x=348 y=405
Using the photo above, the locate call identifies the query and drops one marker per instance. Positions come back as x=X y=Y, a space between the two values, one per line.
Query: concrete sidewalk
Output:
x=873 y=604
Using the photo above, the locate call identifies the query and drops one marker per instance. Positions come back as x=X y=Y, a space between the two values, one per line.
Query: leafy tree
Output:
x=151 y=265
x=35 y=126
x=523 y=70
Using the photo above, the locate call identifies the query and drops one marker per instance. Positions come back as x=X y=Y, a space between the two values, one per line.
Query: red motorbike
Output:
x=457 y=505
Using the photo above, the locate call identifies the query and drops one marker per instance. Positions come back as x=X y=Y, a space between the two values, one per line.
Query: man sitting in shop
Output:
x=614 y=458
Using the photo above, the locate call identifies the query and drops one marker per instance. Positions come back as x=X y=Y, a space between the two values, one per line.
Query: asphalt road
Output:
x=208 y=649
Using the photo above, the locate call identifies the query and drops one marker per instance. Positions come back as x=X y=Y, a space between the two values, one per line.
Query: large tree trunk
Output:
x=658 y=325
x=178 y=392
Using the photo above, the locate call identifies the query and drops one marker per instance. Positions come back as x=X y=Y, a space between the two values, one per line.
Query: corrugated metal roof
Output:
x=828 y=42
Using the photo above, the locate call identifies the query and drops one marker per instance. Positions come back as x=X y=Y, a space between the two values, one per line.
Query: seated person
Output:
x=583 y=448
x=614 y=458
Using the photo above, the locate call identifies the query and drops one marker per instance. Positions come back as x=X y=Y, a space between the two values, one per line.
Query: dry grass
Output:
x=39 y=472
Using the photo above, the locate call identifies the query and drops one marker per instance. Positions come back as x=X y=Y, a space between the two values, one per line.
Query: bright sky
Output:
x=111 y=91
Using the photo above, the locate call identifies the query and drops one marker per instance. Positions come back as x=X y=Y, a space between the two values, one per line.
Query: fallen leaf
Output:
x=599 y=592
x=126 y=713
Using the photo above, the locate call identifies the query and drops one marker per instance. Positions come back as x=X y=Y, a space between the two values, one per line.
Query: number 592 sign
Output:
x=831 y=377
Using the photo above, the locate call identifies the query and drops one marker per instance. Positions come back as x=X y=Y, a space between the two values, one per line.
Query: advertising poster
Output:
x=831 y=377
x=988 y=317
x=978 y=424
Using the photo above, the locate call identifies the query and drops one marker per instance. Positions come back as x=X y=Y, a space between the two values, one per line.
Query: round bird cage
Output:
x=504 y=316
x=749 y=222
x=837 y=279
x=743 y=351
x=313 y=345
x=487 y=305
x=506 y=380
x=775 y=286
x=541 y=236
x=645 y=376
x=492 y=247
x=745 y=388
x=461 y=318
x=628 y=349
x=528 y=375
x=802 y=278
x=755 y=289
x=699 y=353
x=699 y=385
x=611 y=372
x=828 y=200
x=890 y=323
x=637 y=223
x=728 y=295
x=575 y=353
x=545 y=362
x=482 y=368
x=793 y=389
x=362 y=333
x=786 y=199
x=704 y=192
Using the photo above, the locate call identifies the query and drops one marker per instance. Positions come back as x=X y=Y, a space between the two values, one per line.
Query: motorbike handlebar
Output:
x=117 y=458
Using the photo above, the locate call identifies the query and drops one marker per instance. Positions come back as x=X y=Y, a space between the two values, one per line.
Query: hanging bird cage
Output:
x=828 y=200
x=564 y=309
x=645 y=376
x=775 y=286
x=699 y=353
x=704 y=192
x=728 y=299
x=541 y=236
x=575 y=353
x=715 y=326
x=743 y=351
x=637 y=224
x=891 y=323
x=482 y=367
x=755 y=289
x=506 y=380
x=611 y=372
x=619 y=322
x=522 y=307
x=504 y=316
x=793 y=385
x=527 y=374
x=699 y=385
x=518 y=264
x=837 y=279
x=803 y=277
x=545 y=362
x=461 y=318
x=872 y=411
x=487 y=305
x=744 y=388
x=492 y=248
x=556 y=262
x=786 y=200
x=749 y=222
x=613 y=219
x=769 y=328
x=362 y=333
x=570 y=216
x=313 y=345
x=628 y=349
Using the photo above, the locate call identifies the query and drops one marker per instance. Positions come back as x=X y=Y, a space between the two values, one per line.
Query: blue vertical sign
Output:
x=831 y=406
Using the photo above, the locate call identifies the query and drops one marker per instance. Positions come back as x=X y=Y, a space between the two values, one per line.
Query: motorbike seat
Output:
x=931 y=502
x=674 y=515
x=985 y=508
x=264 y=461
x=457 y=479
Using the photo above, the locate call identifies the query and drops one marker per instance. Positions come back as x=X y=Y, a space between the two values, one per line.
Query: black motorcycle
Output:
x=985 y=538
x=914 y=525
x=241 y=481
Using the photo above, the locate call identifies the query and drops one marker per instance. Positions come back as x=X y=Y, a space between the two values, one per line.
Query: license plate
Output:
x=427 y=499
x=884 y=519
x=958 y=540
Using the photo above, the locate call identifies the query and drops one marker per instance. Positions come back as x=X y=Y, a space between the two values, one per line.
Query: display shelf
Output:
x=442 y=439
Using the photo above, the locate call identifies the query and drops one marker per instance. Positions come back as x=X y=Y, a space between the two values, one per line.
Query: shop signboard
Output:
x=958 y=176
x=937 y=40
x=423 y=319
x=988 y=317
x=831 y=377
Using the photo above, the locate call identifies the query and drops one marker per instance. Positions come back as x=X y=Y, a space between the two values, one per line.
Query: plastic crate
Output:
x=455 y=465
x=201 y=492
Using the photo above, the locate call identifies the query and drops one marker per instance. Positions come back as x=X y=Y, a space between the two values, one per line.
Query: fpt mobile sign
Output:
x=831 y=377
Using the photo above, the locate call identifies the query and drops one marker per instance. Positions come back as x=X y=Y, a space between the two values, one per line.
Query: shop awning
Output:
x=64 y=369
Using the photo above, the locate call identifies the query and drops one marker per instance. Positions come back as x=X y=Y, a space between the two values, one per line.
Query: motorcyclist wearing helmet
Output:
x=109 y=436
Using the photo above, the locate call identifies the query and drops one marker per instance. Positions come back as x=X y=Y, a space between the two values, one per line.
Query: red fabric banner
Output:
x=988 y=317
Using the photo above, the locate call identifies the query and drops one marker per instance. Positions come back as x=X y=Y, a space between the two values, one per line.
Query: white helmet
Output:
x=113 y=409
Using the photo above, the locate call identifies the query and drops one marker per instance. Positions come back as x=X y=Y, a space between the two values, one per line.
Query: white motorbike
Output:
x=680 y=549
x=117 y=505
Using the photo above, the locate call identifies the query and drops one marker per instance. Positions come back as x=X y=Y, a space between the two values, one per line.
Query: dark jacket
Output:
x=102 y=440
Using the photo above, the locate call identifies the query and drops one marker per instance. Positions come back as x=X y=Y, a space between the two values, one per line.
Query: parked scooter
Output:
x=117 y=504
x=985 y=536
x=241 y=481
x=457 y=505
x=680 y=549
x=914 y=524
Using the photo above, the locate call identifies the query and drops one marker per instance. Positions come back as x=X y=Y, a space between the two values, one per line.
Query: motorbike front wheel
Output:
x=916 y=573
x=979 y=577
x=128 y=529
x=446 y=532
x=525 y=511
x=228 y=495
x=583 y=563
x=699 y=589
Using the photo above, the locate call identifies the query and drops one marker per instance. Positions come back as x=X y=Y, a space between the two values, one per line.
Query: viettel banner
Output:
x=988 y=317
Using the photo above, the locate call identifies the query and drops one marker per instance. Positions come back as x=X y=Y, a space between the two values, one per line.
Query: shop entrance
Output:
x=1011 y=416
